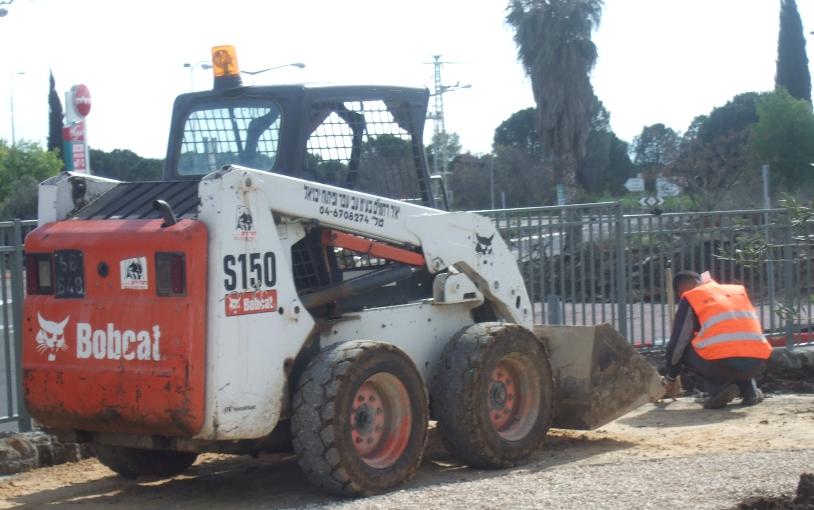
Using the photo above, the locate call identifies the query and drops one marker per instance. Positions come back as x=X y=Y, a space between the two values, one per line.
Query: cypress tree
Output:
x=54 y=118
x=792 y=61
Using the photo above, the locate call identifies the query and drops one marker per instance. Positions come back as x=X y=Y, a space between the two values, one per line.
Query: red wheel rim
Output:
x=513 y=396
x=380 y=420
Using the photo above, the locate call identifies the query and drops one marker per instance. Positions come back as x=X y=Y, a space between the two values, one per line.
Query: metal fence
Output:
x=590 y=263
x=12 y=414
x=583 y=264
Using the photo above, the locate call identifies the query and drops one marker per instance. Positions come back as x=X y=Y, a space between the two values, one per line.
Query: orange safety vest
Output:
x=729 y=325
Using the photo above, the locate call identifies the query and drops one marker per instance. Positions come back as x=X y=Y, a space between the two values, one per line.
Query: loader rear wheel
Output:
x=492 y=394
x=135 y=462
x=359 y=418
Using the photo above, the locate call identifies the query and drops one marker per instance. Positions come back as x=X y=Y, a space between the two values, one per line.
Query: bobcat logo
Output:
x=51 y=337
x=484 y=244
x=135 y=271
x=244 y=219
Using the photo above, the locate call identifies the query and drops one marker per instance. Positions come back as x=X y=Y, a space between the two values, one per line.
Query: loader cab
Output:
x=365 y=138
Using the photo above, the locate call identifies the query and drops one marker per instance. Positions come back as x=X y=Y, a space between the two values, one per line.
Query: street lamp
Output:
x=298 y=65
x=11 y=101
x=203 y=64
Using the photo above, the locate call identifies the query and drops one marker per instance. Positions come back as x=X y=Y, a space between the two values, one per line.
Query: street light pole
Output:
x=11 y=102
x=298 y=65
x=203 y=64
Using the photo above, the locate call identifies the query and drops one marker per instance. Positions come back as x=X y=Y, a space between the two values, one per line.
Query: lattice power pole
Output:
x=439 y=131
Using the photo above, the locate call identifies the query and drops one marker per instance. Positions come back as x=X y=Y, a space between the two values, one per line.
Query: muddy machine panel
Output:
x=115 y=326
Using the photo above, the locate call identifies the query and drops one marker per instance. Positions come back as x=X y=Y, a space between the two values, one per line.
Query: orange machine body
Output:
x=106 y=350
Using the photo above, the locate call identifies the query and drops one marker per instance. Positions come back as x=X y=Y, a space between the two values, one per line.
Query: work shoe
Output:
x=750 y=392
x=719 y=399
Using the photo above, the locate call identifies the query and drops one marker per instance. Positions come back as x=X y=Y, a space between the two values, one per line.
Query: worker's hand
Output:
x=672 y=387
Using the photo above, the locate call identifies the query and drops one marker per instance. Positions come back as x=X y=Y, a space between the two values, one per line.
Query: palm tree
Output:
x=554 y=44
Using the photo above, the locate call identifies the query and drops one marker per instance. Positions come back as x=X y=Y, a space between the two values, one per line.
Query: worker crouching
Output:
x=716 y=334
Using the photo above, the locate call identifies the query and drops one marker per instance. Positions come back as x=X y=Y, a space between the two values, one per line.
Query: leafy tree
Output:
x=22 y=168
x=714 y=160
x=55 y=115
x=525 y=180
x=554 y=45
x=520 y=132
x=606 y=165
x=449 y=145
x=792 y=60
x=711 y=170
x=735 y=116
x=655 y=147
x=784 y=138
x=125 y=165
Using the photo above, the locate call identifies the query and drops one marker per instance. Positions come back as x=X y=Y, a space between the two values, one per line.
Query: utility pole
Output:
x=439 y=146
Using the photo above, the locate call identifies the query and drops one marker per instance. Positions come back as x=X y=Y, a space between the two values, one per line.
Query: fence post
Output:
x=789 y=293
x=24 y=422
x=621 y=277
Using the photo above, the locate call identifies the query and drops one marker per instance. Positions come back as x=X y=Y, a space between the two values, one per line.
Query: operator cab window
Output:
x=365 y=146
x=242 y=135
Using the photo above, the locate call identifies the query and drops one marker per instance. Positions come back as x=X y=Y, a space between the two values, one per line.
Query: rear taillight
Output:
x=171 y=275
x=39 y=275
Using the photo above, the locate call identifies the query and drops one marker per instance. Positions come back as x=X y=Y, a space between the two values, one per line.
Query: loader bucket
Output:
x=600 y=377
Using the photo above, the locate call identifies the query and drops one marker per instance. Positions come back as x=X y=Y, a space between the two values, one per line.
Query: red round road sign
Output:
x=81 y=100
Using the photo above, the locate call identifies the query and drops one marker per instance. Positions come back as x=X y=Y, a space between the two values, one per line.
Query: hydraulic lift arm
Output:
x=467 y=242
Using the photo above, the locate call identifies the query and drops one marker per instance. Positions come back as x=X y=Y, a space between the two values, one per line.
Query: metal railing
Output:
x=590 y=263
x=583 y=264
x=12 y=410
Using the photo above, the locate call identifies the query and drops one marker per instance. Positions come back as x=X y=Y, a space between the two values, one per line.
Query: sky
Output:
x=659 y=60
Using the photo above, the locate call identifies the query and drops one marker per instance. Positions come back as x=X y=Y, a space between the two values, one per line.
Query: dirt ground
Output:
x=802 y=499
x=760 y=452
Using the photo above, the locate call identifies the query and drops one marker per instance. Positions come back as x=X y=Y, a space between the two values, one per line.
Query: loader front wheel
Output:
x=492 y=395
x=359 y=418
x=135 y=462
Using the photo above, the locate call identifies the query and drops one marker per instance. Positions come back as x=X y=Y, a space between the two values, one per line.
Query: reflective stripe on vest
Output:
x=729 y=337
x=716 y=319
x=730 y=328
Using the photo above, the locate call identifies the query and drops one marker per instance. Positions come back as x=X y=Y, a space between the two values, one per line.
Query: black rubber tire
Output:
x=135 y=462
x=461 y=395
x=321 y=418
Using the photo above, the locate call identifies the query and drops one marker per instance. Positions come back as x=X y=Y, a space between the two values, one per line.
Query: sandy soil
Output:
x=759 y=450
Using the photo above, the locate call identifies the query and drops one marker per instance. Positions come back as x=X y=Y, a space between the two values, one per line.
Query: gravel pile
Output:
x=714 y=482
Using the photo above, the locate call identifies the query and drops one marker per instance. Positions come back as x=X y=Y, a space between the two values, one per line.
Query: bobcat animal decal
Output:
x=234 y=303
x=484 y=244
x=51 y=337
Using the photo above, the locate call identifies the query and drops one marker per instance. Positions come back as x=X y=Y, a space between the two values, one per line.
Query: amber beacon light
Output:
x=225 y=68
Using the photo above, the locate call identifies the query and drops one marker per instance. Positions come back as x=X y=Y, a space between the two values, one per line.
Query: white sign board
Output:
x=665 y=188
x=634 y=184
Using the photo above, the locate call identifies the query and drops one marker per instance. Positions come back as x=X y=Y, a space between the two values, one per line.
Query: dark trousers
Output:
x=726 y=371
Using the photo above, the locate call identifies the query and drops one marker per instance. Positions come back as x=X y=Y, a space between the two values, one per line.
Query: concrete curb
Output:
x=30 y=450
